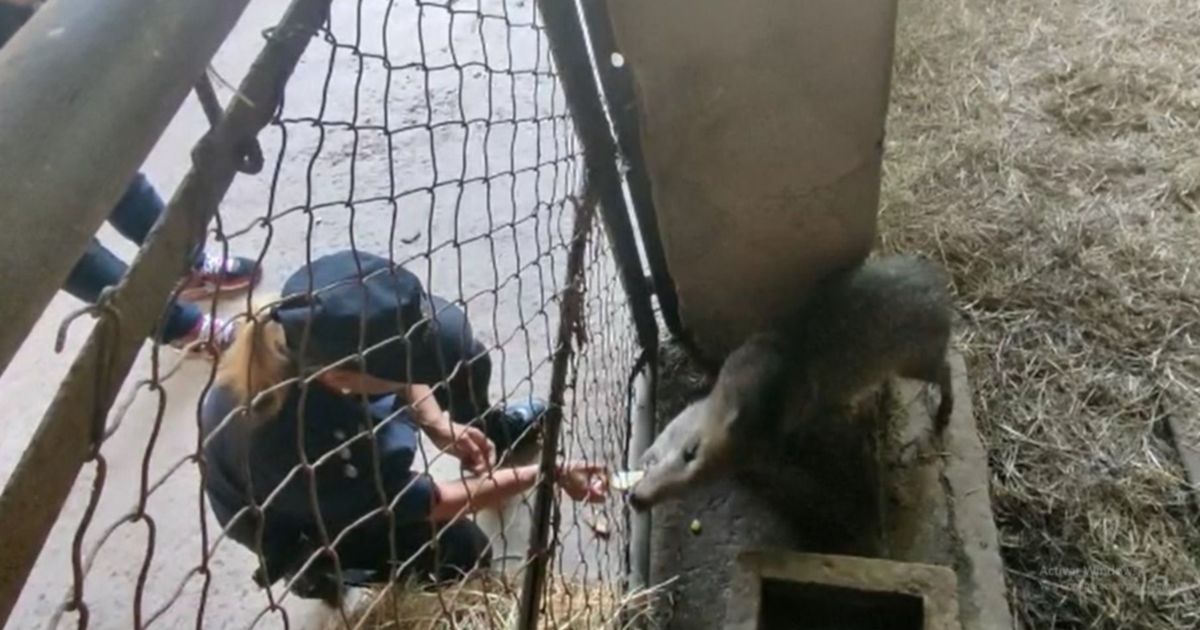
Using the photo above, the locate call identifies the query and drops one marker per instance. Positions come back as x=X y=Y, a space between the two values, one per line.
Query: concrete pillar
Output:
x=762 y=123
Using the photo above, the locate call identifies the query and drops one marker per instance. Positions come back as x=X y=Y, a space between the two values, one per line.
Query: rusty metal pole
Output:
x=545 y=515
x=86 y=89
x=42 y=479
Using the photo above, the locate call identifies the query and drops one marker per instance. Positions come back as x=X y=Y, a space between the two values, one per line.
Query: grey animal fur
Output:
x=886 y=317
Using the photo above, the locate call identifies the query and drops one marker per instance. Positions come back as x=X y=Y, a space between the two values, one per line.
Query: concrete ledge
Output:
x=703 y=563
x=938 y=500
x=934 y=508
x=825 y=591
x=818 y=492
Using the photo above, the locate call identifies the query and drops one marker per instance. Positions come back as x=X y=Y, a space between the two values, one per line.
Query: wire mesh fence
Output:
x=434 y=139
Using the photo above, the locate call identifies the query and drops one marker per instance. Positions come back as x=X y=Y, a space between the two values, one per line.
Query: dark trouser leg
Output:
x=96 y=269
x=460 y=548
x=138 y=211
x=99 y=268
x=133 y=217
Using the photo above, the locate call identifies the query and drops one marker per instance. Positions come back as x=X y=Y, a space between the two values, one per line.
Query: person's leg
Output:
x=460 y=548
x=318 y=581
x=185 y=323
x=138 y=211
x=97 y=269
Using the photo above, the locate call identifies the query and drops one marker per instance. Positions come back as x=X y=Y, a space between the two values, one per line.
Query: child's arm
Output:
x=581 y=481
x=464 y=496
x=468 y=444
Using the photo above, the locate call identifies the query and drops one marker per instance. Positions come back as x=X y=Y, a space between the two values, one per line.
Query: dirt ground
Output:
x=477 y=211
x=1047 y=153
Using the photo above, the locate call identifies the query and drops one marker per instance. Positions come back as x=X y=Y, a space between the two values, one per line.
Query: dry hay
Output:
x=1049 y=154
x=488 y=602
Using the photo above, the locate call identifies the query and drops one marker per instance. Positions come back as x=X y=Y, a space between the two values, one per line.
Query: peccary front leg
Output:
x=946 y=406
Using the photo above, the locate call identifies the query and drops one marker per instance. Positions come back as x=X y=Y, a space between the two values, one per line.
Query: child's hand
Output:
x=468 y=444
x=584 y=482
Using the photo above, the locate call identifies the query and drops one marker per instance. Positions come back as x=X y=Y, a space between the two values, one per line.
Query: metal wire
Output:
x=436 y=135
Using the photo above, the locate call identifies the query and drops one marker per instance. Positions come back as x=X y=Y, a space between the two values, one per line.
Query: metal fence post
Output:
x=570 y=314
x=641 y=436
x=618 y=90
x=564 y=29
x=568 y=46
x=86 y=89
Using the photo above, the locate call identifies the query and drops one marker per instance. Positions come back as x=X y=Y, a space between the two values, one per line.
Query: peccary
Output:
x=886 y=317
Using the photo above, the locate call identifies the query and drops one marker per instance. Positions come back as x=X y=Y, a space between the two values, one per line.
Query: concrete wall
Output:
x=763 y=125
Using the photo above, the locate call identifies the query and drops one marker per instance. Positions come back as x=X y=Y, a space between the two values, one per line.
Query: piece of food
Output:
x=625 y=480
x=695 y=527
x=599 y=526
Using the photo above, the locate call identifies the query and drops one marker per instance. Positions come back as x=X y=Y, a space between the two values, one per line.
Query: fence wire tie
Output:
x=249 y=158
x=103 y=305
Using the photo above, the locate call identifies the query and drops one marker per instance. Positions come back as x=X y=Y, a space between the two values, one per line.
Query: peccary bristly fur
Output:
x=886 y=317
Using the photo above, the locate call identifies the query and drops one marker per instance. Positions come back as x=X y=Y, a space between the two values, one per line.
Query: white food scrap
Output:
x=600 y=527
x=625 y=480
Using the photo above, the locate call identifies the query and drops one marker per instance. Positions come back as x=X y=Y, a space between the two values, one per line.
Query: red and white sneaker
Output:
x=215 y=273
x=209 y=337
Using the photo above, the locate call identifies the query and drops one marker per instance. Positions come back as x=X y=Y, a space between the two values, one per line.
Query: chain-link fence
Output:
x=435 y=136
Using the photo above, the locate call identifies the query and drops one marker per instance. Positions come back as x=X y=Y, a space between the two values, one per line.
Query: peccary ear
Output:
x=732 y=418
x=758 y=410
